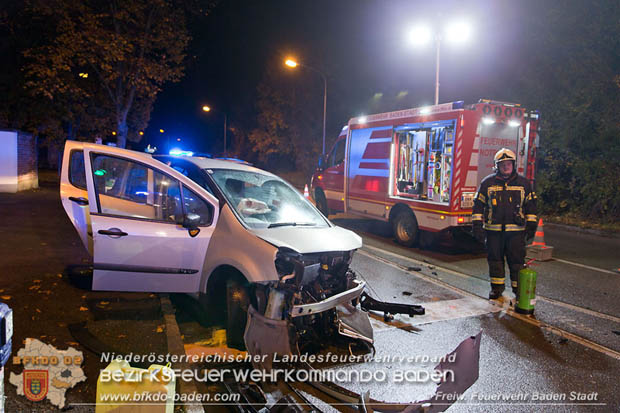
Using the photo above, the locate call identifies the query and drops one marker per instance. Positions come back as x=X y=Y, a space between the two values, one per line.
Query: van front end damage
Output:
x=315 y=299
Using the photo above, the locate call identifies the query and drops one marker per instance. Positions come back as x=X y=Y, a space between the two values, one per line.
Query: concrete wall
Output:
x=18 y=161
x=27 y=165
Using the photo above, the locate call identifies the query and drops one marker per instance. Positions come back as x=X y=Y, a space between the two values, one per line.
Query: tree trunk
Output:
x=121 y=133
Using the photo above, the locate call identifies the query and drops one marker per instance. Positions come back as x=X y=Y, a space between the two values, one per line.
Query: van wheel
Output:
x=237 y=305
x=405 y=228
x=321 y=202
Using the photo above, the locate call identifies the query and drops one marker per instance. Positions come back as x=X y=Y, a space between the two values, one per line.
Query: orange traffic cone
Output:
x=539 y=238
x=306 y=193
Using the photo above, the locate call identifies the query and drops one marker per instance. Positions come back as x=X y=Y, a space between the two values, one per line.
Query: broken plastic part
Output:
x=370 y=304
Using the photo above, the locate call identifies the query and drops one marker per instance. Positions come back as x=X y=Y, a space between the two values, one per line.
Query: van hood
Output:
x=307 y=240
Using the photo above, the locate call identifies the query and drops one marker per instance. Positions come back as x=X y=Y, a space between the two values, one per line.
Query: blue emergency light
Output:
x=179 y=152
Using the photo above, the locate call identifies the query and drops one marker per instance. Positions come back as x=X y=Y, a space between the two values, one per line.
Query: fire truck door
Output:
x=334 y=177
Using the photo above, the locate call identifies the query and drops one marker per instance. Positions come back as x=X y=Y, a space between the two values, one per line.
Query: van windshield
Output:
x=265 y=201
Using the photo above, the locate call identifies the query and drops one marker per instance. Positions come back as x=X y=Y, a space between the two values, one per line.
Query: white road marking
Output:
x=441 y=311
x=585 y=266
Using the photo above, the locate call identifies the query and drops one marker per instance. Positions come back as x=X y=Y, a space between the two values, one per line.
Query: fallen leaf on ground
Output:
x=5 y=297
x=62 y=324
x=72 y=343
x=59 y=275
x=37 y=310
x=122 y=336
x=36 y=281
x=83 y=309
x=160 y=329
x=104 y=302
x=34 y=287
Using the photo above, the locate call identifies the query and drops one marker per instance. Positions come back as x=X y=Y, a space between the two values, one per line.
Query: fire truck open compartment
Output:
x=425 y=153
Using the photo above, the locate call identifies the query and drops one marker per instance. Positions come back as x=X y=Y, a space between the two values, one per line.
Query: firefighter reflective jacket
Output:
x=504 y=204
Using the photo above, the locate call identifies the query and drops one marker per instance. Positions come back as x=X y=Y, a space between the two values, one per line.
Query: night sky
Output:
x=361 y=47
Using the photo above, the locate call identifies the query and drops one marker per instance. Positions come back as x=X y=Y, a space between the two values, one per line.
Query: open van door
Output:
x=73 y=192
x=151 y=226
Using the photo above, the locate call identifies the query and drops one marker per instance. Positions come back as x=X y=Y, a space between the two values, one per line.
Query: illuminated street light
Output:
x=207 y=108
x=456 y=32
x=293 y=63
x=141 y=133
x=161 y=131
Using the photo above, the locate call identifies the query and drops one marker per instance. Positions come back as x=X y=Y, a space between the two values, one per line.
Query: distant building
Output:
x=18 y=161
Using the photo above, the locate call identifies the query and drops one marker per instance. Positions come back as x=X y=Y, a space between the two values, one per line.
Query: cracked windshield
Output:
x=264 y=201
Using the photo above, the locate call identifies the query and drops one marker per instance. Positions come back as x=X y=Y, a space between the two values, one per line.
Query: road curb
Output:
x=175 y=346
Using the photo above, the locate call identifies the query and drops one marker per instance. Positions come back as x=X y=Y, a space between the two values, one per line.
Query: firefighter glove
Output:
x=479 y=233
x=530 y=230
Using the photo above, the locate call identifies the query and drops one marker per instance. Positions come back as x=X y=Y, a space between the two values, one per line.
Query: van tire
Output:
x=237 y=305
x=321 y=202
x=405 y=228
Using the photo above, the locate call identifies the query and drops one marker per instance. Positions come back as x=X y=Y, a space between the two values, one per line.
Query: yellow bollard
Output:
x=124 y=389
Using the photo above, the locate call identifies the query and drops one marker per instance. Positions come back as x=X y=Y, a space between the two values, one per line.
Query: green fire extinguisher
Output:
x=527 y=290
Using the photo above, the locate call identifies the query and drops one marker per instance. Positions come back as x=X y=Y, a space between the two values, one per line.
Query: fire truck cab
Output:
x=420 y=168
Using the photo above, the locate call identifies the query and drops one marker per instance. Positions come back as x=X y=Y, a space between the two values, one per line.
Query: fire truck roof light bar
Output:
x=498 y=102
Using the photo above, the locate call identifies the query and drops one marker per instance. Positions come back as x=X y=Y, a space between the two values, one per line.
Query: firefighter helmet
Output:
x=504 y=154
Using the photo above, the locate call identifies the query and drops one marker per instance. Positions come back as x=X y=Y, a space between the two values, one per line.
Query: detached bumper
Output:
x=329 y=303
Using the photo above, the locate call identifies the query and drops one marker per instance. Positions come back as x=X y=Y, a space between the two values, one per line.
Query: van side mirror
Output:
x=191 y=221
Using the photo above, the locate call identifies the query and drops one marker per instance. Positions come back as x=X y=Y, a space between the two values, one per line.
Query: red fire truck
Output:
x=420 y=168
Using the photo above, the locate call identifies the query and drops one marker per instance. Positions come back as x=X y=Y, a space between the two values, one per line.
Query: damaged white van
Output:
x=240 y=239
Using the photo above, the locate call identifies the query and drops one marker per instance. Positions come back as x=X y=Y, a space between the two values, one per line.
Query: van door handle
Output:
x=113 y=232
x=79 y=201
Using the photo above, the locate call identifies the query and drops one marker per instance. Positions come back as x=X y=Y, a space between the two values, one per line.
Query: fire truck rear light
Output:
x=320 y=177
x=442 y=217
x=460 y=220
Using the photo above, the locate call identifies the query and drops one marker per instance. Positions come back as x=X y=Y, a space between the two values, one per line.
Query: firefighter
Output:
x=504 y=213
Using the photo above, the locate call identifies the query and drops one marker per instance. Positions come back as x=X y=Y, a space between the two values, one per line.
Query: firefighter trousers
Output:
x=508 y=244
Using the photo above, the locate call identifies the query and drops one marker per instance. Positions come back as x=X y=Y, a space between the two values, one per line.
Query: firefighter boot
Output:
x=514 y=279
x=496 y=272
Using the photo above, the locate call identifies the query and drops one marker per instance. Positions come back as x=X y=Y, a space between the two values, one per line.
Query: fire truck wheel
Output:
x=405 y=228
x=321 y=202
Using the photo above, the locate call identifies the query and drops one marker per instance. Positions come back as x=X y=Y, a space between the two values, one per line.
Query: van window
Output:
x=193 y=204
x=77 y=174
x=131 y=189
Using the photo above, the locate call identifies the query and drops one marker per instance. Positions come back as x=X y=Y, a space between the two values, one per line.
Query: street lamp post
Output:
x=292 y=63
x=437 y=43
x=206 y=108
x=456 y=32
